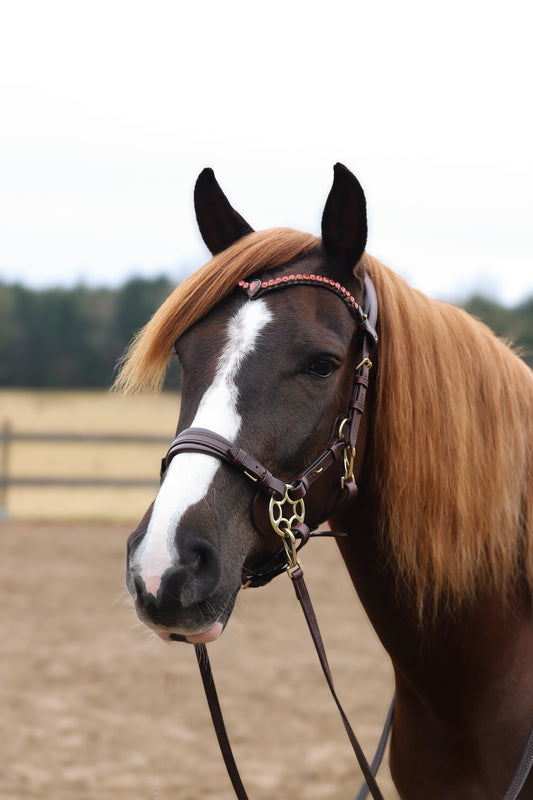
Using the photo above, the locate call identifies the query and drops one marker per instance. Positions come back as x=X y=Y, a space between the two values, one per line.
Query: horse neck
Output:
x=448 y=660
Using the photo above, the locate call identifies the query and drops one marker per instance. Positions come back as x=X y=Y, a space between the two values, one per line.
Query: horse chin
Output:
x=211 y=634
x=197 y=628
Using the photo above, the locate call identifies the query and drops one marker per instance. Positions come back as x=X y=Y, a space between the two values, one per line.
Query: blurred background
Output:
x=108 y=112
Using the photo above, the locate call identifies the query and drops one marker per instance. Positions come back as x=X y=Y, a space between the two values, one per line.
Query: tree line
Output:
x=73 y=338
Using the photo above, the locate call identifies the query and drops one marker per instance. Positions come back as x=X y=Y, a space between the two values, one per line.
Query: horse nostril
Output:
x=138 y=584
x=202 y=573
x=193 y=580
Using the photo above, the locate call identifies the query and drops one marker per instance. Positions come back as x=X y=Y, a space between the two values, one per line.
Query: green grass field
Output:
x=88 y=412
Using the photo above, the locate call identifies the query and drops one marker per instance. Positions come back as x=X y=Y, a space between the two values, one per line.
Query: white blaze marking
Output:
x=190 y=475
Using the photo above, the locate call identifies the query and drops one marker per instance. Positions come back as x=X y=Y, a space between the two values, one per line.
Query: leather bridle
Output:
x=279 y=507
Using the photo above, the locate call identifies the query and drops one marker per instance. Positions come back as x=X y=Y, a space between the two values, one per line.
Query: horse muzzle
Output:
x=187 y=601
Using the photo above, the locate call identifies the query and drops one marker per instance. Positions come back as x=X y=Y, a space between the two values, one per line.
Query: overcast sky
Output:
x=108 y=111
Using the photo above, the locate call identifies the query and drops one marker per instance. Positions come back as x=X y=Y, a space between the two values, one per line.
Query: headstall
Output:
x=279 y=508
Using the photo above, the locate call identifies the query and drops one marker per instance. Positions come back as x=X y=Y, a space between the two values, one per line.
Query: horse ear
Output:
x=219 y=223
x=344 y=227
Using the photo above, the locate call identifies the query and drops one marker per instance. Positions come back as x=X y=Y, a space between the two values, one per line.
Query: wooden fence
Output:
x=8 y=437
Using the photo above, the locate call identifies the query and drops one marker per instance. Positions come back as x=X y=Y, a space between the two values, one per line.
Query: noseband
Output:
x=279 y=507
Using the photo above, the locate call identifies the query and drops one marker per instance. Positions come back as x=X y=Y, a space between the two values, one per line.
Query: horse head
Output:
x=271 y=374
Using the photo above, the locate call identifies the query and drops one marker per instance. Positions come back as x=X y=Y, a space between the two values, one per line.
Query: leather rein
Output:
x=279 y=508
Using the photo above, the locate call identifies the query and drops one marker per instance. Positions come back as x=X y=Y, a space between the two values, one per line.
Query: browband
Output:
x=256 y=287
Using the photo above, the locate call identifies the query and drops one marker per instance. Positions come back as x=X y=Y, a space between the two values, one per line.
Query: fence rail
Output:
x=9 y=437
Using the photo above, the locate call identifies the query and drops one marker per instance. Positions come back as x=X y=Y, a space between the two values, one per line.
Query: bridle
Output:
x=279 y=508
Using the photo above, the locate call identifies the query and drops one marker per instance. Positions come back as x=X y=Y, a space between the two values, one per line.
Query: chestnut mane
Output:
x=452 y=445
x=143 y=366
x=450 y=449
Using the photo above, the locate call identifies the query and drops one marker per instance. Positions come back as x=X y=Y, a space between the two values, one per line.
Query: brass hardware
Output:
x=349 y=458
x=364 y=363
x=292 y=570
x=289 y=544
x=348 y=455
x=343 y=423
x=251 y=477
x=283 y=525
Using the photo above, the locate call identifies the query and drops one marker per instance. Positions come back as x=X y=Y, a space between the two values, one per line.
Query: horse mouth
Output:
x=201 y=631
x=210 y=634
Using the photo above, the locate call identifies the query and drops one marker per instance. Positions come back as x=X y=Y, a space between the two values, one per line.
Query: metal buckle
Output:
x=364 y=363
x=348 y=458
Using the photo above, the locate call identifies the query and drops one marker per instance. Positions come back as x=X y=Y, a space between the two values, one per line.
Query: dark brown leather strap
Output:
x=362 y=794
x=332 y=453
x=200 y=440
x=218 y=721
x=368 y=343
x=305 y=601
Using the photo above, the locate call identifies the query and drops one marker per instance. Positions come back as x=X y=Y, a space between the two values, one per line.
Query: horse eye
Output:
x=323 y=368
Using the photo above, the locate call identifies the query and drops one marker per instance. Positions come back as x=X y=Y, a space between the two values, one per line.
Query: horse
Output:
x=434 y=496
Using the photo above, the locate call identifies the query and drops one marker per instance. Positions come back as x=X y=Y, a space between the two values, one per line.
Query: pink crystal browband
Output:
x=256 y=287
